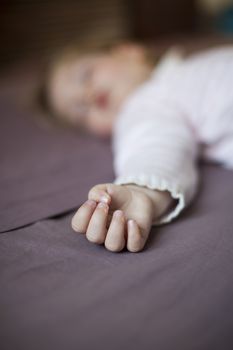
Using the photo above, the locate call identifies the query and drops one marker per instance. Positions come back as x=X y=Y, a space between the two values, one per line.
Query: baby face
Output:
x=88 y=91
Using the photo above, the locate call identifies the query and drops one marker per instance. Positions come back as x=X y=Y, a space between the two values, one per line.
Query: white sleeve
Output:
x=154 y=146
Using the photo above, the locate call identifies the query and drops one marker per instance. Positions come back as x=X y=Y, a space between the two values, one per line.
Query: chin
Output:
x=102 y=132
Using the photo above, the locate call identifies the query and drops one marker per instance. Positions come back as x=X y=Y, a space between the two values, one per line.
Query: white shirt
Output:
x=185 y=111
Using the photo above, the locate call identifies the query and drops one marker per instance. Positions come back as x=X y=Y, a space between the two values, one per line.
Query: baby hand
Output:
x=118 y=215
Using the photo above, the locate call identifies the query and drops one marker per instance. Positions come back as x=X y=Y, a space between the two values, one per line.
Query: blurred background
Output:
x=36 y=28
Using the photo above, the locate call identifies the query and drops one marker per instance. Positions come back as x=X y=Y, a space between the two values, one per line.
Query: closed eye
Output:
x=83 y=75
x=80 y=110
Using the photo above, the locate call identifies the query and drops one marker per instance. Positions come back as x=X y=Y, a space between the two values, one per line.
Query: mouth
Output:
x=102 y=100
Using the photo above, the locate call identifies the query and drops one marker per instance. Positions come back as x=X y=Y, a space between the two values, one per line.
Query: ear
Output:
x=130 y=51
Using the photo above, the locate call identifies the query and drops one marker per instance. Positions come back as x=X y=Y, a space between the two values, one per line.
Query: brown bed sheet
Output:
x=58 y=291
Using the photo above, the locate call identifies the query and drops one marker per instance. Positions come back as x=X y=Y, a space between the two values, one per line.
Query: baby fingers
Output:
x=80 y=220
x=115 y=239
x=96 y=231
x=136 y=240
x=99 y=193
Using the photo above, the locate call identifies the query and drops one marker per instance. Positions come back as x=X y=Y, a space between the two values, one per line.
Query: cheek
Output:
x=106 y=74
x=57 y=96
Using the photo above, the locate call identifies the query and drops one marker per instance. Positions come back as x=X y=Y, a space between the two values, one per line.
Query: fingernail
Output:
x=118 y=213
x=102 y=205
x=104 y=199
x=131 y=222
x=91 y=203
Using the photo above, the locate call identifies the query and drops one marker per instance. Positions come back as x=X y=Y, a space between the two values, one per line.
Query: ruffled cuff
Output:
x=155 y=183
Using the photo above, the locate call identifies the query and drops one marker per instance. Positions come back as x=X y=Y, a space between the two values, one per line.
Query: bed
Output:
x=58 y=291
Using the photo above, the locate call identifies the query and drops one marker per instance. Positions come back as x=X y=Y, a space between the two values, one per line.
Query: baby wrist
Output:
x=162 y=201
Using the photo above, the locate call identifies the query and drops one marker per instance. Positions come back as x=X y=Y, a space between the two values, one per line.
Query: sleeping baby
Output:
x=161 y=119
